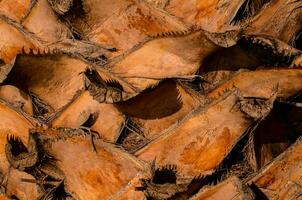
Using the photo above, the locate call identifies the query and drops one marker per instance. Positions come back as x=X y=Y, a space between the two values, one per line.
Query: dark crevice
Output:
x=131 y=136
x=248 y=9
x=123 y=135
x=195 y=84
x=17 y=145
x=124 y=132
x=196 y=184
x=114 y=84
x=268 y=55
x=13 y=197
x=76 y=10
x=2 y=62
x=99 y=59
x=75 y=33
x=154 y=103
x=165 y=174
x=90 y=120
x=58 y=193
x=40 y=108
x=298 y=40
x=259 y=195
x=94 y=77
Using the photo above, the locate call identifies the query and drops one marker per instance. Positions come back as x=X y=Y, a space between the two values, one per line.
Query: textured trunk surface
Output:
x=150 y=99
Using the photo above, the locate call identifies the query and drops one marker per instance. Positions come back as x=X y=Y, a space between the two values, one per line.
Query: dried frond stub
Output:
x=122 y=24
x=49 y=77
x=274 y=20
x=214 y=16
x=91 y=178
x=163 y=58
x=199 y=142
x=14 y=123
x=157 y=109
x=260 y=83
x=84 y=111
x=202 y=120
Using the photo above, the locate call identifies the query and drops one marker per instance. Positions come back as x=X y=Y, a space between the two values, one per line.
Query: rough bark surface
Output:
x=150 y=99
